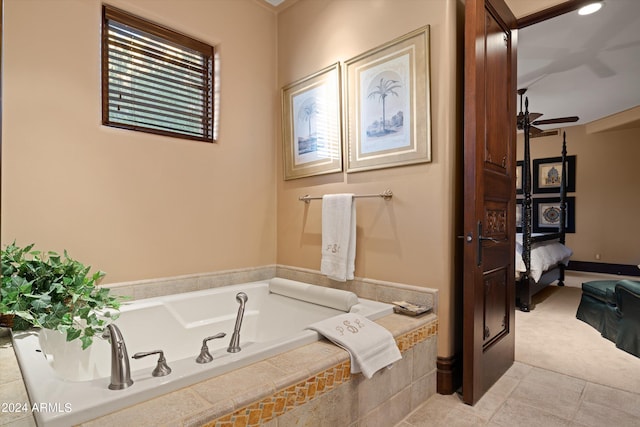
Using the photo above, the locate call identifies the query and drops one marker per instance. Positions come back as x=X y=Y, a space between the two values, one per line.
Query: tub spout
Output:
x=234 y=345
x=120 y=371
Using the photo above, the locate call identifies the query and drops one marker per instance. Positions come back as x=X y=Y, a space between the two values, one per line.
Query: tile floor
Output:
x=530 y=396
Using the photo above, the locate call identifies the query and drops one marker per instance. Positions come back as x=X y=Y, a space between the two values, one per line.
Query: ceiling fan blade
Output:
x=556 y=120
x=520 y=119
x=534 y=116
x=534 y=130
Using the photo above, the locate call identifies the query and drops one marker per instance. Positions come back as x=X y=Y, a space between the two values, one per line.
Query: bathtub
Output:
x=68 y=385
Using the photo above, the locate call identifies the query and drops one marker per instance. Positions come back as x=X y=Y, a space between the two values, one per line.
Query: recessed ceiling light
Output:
x=590 y=8
x=274 y=2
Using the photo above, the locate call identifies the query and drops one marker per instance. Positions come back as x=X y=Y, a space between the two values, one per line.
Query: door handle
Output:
x=491 y=239
x=482 y=238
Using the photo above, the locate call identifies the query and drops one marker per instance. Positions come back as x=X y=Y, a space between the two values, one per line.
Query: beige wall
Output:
x=607 y=183
x=409 y=238
x=137 y=205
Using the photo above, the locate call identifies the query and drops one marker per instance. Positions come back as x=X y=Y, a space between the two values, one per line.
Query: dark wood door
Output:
x=489 y=195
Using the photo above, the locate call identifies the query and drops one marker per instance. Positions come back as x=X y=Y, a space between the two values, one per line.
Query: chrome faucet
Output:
x=205 y=356
x=161 y=369
x=120 y=371
x=234 y=345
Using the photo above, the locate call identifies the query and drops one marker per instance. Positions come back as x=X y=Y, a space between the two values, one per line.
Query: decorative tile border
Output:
x=410 y=339
x=287 y=399
x=299 y=394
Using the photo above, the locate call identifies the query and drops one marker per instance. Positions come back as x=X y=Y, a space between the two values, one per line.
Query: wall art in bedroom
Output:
x=519 y=171
x=519 y=215
x=547 y=174
x=546 y=215
x=311 y=124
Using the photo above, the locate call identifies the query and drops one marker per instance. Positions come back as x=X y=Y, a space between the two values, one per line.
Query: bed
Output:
x=541 y=258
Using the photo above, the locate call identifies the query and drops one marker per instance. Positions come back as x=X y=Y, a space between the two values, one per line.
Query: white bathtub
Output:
x=70 y=386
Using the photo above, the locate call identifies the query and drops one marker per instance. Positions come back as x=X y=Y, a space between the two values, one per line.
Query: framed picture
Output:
x=311 y=126
x=387 y=104
x=519 y=179
x=519 y=215
x=548 y=173
x=546 y=215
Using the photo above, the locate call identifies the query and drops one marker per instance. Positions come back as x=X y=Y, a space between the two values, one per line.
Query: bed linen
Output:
x=544 y=255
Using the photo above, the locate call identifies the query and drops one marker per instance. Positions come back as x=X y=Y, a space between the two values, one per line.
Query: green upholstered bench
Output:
x=628 y=302
x=612 y=307
x=598 y=306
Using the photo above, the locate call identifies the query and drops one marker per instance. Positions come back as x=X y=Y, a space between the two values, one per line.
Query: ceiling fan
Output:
x=533 y=119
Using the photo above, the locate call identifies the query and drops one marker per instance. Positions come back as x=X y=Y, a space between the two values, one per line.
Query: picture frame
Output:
x=519 y=177
x=546 y=215
x=519 y=215
x=548 y=173
x=387 y=104
x=311 y=124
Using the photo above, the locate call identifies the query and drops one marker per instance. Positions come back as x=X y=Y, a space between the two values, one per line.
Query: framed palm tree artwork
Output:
x=387 y=104
x=311 y=125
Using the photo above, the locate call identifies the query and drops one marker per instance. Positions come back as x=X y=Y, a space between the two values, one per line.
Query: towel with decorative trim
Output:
x=338 y=236
x=370 y=345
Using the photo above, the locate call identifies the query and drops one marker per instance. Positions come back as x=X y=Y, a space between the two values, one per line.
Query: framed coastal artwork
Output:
x=547 y=174
x=311 y=125
x=387 y=104
x=546 y=215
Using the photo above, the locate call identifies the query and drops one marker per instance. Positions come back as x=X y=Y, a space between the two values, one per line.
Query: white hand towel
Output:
x=338 y=236
x=370 y=345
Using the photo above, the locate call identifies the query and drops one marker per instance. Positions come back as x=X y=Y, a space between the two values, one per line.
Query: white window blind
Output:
x=155 y=79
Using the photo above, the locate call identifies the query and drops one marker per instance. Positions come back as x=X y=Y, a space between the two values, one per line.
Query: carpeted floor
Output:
x=550 y=337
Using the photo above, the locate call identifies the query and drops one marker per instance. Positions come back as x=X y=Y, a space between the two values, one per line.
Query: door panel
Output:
x=489 y=195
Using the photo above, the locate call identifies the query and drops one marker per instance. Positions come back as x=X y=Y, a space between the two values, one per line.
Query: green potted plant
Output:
x=54 y=292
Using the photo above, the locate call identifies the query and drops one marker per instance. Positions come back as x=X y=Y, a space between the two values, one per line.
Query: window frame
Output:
x=172 y=37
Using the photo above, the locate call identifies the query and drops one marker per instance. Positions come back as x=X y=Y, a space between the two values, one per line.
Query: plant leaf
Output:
x=41 y=303
x=73 y=333
x=25 y=315
x=86 y=341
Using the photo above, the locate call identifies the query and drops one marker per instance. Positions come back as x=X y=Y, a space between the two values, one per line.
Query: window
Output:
x=155 y=79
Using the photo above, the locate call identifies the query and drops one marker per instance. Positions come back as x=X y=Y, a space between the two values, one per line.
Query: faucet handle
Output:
x=161 y=368
x=205 y=356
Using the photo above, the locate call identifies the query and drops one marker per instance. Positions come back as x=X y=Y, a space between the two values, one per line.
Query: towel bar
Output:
x=387 y=194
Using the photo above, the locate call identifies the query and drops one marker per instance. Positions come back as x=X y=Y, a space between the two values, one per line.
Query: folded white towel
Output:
x=370 y=345
x=338 y=236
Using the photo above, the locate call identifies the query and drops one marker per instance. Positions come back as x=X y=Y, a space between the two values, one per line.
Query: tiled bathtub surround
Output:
x=310 y=383
x=149 y=288
x=365 y=288
x=306 y=386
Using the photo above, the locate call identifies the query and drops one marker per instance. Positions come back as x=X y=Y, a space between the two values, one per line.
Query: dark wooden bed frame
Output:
x=526 y=287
